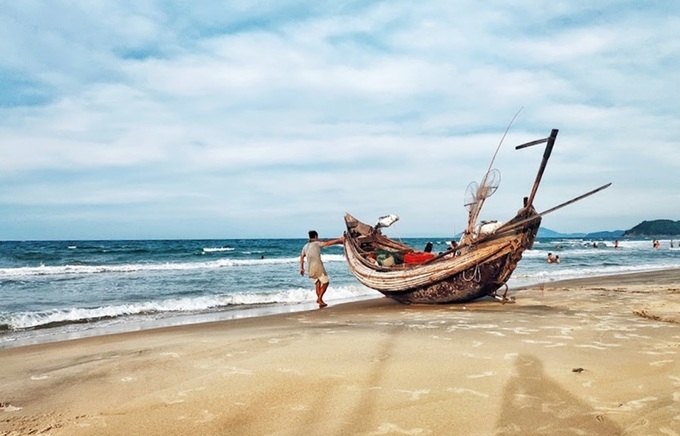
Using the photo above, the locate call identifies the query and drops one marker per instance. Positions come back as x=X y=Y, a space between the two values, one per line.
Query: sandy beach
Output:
x=591 y=356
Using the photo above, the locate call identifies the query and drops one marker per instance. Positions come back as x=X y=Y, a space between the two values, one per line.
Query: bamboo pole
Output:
x=544 y=162
x=553 y=209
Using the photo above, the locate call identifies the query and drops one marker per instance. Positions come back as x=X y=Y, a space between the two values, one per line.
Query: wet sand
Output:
x=590 y=356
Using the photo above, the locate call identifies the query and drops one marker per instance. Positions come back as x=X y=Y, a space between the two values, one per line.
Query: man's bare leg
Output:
x=317 y=286
x=322 y=290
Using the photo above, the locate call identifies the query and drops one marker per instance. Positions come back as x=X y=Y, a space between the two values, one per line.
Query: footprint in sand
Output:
x=415 y=395
x=421 y=326
x=556 y=344
x=237 y=371
x=238 y=353
x=523 y=331
x=204 y=416
x=39 y=377
x=468 y=391
x=180 y=397
x=484 y=374
x=536 y=342
x=591 y=346
x=171 y=354
x=637 y=404
x=389 y=428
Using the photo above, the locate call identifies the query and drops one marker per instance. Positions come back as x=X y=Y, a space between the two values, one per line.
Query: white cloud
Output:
x=218 y=120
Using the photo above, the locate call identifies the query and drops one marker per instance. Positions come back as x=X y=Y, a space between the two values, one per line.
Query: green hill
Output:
x=613 y=234
x=655 y=228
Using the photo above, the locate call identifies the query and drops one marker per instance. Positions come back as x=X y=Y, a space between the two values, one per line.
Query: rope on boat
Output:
x=476 y=275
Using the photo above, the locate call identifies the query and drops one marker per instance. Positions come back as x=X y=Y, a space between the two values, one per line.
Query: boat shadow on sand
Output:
x=535 y=404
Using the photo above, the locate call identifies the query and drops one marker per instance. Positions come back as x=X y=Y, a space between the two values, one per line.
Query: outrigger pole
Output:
x=553 y=209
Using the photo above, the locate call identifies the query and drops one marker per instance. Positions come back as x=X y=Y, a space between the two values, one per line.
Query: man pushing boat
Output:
x=316 y=270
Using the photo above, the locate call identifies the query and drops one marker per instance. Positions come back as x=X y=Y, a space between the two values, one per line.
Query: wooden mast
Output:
x=546 y=155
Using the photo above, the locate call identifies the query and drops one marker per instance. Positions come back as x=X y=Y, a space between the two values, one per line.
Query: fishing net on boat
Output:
x=476 y=194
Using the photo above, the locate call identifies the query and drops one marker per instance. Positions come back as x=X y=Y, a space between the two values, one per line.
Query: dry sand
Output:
x=596 y=356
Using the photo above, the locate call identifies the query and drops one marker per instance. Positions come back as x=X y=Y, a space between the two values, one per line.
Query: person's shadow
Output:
x=534 y=404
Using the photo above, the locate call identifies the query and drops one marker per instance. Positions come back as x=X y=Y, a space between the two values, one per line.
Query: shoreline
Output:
x=596 y=355
x=101 y=328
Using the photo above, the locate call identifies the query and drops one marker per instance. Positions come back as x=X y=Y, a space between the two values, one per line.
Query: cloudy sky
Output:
x=229 y=119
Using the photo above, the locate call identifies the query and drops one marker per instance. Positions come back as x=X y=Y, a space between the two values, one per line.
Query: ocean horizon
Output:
x=55 y=290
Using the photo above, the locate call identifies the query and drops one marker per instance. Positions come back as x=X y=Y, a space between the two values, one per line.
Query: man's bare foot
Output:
x=322 y=305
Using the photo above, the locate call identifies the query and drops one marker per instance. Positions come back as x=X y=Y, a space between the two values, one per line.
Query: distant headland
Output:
x=655 y=228
x=658 y=228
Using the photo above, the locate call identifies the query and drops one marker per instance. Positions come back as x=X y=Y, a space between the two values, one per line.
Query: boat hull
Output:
x=474 y=271
x=479 y=281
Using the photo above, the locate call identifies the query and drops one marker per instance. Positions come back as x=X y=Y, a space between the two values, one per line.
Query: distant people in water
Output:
x=616 y=244
x=656 y=243
x=671 y=243
x=553 y=259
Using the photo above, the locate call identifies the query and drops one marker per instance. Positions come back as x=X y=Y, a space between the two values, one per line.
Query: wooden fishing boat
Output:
x=480 y=264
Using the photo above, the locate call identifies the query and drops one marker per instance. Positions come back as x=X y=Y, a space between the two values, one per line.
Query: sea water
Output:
x=53 y=290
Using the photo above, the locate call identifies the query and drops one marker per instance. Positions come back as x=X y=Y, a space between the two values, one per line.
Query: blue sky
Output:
x=150 y=119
